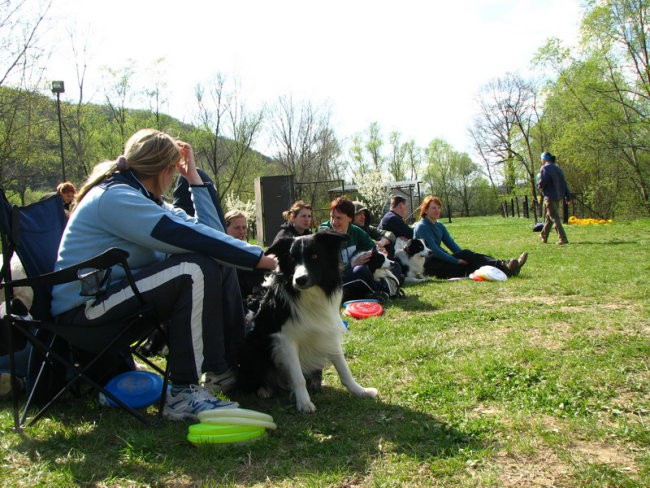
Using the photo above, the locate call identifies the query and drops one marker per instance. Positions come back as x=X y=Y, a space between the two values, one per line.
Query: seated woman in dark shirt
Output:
x=237 y=227
x=298 y=221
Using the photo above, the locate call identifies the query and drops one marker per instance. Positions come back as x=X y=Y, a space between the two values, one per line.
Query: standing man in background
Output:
x=555 y=191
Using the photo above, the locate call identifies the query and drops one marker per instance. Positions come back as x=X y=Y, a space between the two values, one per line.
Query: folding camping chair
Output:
x=33 y=232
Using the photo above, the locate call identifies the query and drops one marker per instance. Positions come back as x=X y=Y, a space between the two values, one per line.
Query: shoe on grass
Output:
x=562 y=243
x=513 y=267
x=523 y=257
x=187 y=403
x=219 y=382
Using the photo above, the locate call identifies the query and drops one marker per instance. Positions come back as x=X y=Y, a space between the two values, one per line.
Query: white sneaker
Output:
x=219 y=382
x=188 y=402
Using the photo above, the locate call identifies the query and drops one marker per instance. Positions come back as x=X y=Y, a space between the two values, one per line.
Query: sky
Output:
x=412 y=66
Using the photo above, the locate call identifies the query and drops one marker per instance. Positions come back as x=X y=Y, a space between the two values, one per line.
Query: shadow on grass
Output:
x=613 y=242
x=412 y=299
x=343 y=438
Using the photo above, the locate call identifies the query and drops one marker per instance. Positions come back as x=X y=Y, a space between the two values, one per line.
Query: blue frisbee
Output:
x=138 y=389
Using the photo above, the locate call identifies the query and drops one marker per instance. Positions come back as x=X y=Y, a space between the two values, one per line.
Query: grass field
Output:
x=539 y=381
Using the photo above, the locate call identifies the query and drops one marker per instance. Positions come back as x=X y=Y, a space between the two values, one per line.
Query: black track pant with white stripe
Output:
x=197 y=297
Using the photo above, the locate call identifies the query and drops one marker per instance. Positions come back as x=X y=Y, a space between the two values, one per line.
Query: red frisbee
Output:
x=363 y=310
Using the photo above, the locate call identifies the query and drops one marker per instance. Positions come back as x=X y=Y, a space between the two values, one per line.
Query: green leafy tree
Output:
x=598 y=108
x=452 y=175
x=438 y=176
x=373 y=145
x=357 y=154
x=466 y=174
x=413 y=158
x=397 y=162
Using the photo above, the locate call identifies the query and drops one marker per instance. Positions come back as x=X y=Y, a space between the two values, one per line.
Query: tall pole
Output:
x=58 y=87
x=58 y=109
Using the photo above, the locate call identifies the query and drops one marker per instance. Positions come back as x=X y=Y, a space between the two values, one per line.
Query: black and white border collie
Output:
x=379 y=264
x=381 y=268
x=411 y=257
x=298 y=328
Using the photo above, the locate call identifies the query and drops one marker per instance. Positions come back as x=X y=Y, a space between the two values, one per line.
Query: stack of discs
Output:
x=229 y=425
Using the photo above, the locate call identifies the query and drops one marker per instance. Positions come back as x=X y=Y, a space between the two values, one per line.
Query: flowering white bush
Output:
x=372 y=189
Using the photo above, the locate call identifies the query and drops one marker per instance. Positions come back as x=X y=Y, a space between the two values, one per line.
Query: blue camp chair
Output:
x=57 y=366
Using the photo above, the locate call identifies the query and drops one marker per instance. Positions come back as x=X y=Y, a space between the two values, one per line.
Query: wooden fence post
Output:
x=517 y=202
x=526 y=212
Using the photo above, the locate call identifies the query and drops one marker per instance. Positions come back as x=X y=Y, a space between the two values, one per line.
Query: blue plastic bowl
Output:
x=138 y=389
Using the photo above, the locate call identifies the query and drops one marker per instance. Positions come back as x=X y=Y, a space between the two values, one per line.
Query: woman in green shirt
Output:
x=358 y=281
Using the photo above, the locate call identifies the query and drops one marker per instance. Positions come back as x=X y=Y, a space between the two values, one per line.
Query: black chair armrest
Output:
x=110 y=257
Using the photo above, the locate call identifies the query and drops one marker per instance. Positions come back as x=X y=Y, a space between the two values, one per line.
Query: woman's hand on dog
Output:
x=360 y=259
x=267 y=262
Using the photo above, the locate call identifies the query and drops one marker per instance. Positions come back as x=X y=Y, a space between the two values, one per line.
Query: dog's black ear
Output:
x=281 y=247
x=330 y=235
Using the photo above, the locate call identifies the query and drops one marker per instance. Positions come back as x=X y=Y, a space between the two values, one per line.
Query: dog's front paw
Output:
x=369 y=392
x=306 y=407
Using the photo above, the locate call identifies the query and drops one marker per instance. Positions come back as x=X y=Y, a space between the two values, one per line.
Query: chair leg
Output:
x=135 y=350
x=79 y=374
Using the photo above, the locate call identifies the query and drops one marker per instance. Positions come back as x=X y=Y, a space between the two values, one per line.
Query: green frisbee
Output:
x=222 y=429
x=200 y=434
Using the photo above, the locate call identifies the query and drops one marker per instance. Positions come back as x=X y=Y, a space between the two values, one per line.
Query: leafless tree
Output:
x=118 y=94
x=307 y=146
x=20 y=76
x=231 y=130
x=78 y=128
x=19 y=25
x=506 y=132
x=155 y=93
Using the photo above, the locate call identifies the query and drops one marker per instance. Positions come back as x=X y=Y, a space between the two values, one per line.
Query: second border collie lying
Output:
x=298 y=328
x=411 y=257
x=380 y=267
